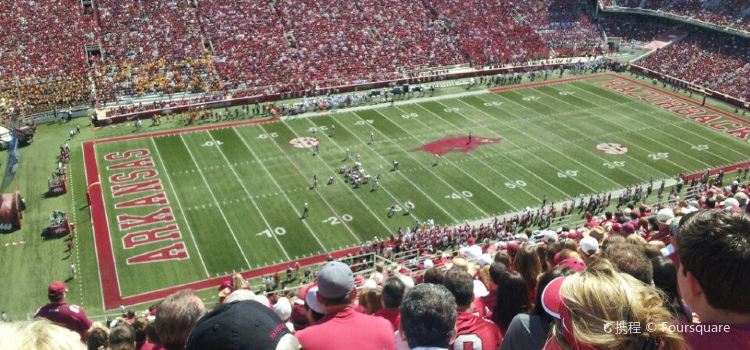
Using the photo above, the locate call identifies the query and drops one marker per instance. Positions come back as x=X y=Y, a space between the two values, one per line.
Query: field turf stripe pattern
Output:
x=238 y=192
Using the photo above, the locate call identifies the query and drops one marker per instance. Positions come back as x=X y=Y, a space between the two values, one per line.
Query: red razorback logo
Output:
x=457 y=144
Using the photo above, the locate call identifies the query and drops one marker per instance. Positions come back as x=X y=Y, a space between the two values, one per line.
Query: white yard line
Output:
x=79 y=274
x=639 y=113
x=216 y=201
x=568 y=142
x=544 y=145
x=519 y=147
x=481 y=183
x=385 y=104
x=281 y=189
x=381 y=187
x=399 y=171
x=511 y=142
x=648 y=166
x=247 y=193
x=330 y=207
x=641 y=135
x=548 y=146
x=453 y=189
x=179 y=205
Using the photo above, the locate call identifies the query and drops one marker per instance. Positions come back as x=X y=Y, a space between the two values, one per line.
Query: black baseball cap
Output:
x=242 y=325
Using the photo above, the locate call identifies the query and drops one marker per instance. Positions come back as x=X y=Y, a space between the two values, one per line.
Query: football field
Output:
x=187 y=206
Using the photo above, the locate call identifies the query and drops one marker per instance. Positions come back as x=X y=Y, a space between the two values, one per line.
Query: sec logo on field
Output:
x=612 y=148
x=304 y=142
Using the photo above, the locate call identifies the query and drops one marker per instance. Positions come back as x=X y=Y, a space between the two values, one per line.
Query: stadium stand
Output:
x=718 y=62
x=563 y=25
x=44 y=67
x=126 y=55
x=730 y=13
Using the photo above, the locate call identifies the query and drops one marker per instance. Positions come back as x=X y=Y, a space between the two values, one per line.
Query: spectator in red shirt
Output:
x=428 y=317
x=472 y=332
x=342 y=327
x=59 y=311
x=713 y=276
x=393 y=292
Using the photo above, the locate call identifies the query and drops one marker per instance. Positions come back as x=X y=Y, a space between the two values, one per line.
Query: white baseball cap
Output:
x=664 y=215
x=589 y=245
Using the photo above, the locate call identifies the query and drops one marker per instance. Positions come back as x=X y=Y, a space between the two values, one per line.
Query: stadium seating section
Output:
x=730 y=13
x=253 y=47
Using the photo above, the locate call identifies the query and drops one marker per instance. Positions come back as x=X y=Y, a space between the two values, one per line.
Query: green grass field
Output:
x=236 y=194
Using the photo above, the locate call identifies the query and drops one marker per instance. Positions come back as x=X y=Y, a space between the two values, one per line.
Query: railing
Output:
x=691 y=86
x=230 y=102
x=672 y=16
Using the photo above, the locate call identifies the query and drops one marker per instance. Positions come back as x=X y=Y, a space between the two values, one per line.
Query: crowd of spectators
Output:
x=248 y=47
x=42 y=54
x=717 y=62
x=730 y=13
x=150 y=46
x=487 y=32
x=564 y=25
x=675 y=278
x=634 y=31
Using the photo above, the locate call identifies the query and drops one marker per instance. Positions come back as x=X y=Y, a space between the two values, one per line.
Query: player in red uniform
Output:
x=62 y=313
x=472 y=332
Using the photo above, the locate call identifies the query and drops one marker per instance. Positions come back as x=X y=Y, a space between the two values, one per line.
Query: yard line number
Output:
x=658 y=156
x=614 y=165
x=408 y=205
x=315 y=129
x=700 y=147
x=515 y=184
x=335 y=221
x=272 y=135
x=567 y=173
x=452 y=109
x=212 y=143
x=460 y=195
x=410 y=115
x=278 y=231
x=364 y=122
x=493 y=104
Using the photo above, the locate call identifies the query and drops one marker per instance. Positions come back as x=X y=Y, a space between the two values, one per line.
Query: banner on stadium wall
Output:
x=14 y=158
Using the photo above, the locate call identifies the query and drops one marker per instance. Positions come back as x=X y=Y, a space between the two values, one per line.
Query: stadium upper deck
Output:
x=131 y=49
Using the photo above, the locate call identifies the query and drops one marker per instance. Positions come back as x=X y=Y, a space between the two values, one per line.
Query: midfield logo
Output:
x=457 y=144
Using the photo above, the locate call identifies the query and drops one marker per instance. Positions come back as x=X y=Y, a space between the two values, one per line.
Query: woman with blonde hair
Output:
x=601 y=308
x=39 y=334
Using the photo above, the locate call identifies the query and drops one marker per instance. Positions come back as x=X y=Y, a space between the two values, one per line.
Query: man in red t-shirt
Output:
x=713 y=276
x=472 y=332
x=62 y=313
x=342 y=328
x=393 y=292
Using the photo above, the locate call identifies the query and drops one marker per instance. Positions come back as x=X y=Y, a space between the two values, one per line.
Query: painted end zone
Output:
x=110 y=284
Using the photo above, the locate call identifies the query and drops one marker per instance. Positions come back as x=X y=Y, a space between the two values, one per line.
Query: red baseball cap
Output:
x=554 y=305
x=513 y=246
x=575 y=264
x=56 y=287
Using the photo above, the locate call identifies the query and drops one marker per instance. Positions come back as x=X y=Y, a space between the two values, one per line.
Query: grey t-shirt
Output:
x=526 y=332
